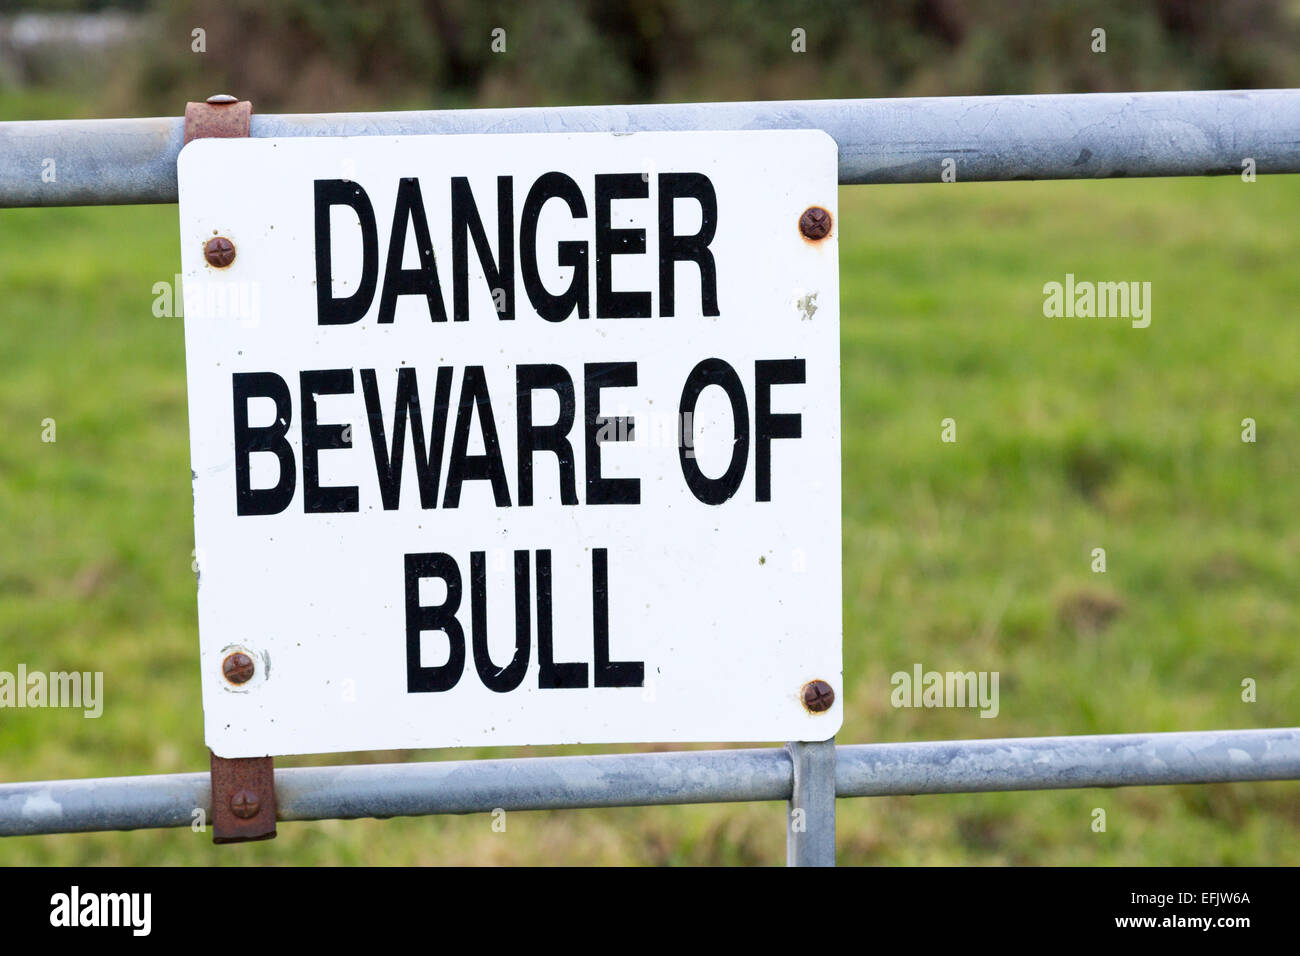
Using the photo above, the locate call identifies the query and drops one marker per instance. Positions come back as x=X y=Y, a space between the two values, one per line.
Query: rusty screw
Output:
x=818 y=696
x=220 y=252
x=238 y=668
x=815 y=223
x=244 y=804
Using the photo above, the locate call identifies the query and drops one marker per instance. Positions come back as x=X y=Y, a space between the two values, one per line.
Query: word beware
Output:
x=475 y=405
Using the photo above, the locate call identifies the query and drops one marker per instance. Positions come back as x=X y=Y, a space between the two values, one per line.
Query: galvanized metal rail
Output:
x=1066 y=136
x=1092 y=136
x=797 y=773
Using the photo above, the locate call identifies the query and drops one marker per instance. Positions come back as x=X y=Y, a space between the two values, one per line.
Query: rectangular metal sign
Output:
x=514 y=439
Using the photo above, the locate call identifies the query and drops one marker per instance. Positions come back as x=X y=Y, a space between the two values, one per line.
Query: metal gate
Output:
x=1089 y=136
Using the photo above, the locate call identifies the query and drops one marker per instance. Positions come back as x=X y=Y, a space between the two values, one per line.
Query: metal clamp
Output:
x=243 y=789
x=222 y=116
x=243 y=799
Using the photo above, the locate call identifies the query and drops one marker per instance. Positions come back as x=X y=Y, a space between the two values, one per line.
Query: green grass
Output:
x=1072 y=434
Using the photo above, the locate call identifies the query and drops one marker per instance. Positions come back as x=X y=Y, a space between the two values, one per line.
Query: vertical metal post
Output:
x=810 y=817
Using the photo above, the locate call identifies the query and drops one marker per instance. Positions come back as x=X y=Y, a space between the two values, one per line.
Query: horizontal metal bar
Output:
x=105 y=803
x=408 y=789
x=1062 y=763
x=1058 y=136
x=540 y=783
x=619 y=780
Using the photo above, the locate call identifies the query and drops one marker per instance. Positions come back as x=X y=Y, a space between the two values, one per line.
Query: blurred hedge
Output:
x=314 y=55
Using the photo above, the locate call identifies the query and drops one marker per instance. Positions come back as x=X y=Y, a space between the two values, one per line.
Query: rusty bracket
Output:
x=243 y=789
x=243 y=799
x=222 y=116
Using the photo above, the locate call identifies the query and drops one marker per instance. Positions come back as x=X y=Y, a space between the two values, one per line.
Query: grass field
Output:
x=1073 y=434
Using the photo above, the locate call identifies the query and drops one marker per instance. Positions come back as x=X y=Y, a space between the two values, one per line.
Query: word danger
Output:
x=466 y=225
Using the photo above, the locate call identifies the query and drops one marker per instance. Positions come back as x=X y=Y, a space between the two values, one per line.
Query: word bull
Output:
x=444 y=617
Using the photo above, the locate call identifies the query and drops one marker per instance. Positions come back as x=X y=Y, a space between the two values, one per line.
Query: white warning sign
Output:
x=514 y=439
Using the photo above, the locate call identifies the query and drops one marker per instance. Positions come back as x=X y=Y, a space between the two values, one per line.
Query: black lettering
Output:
x=502 y=680
x=317 y=438
x=769 y=372
x=714 y=491
x=608 y=673
x=553 y=438
x=262 y=501
x=388 y=462
x=350 y=308
x=572 y=253
x=463 y=466
x=500 y=272
x=419 y=281
x=674 y=248
x=552 y=675
x=602 y=490
x=618 y=242
x=441 y=617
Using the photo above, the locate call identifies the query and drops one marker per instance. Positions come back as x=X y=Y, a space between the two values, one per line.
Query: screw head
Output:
x=222 y=99
x=244 y=804
x=818 y=696
x=815 y=223
x=219 y=251
x=238 y=668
